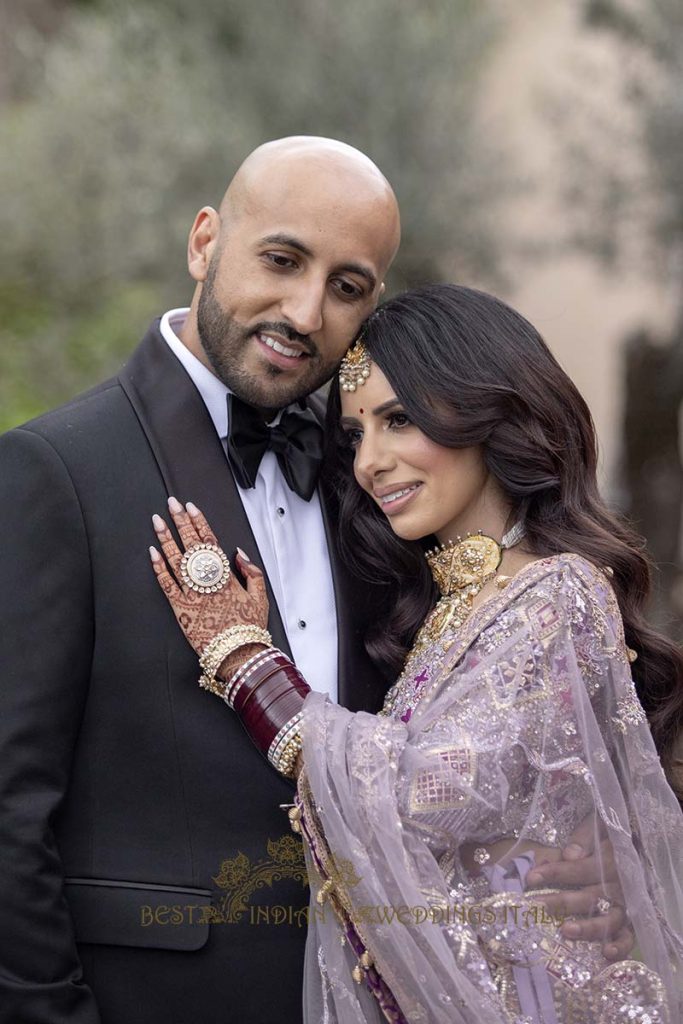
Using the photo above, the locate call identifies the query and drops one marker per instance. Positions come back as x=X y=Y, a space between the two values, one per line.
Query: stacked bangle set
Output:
x=266 y=692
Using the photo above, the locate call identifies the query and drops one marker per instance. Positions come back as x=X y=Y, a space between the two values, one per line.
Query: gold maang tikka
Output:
x=354 y=368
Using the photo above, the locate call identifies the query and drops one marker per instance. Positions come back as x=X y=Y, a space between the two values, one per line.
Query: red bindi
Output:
x=362 y=410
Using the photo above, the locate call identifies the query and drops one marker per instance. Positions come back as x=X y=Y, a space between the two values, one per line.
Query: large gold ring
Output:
x=205 y=568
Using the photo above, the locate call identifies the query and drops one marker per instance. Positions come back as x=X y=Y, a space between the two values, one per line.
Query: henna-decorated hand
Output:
x=202 y=616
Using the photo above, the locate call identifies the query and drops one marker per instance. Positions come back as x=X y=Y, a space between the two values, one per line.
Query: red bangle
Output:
x=246 y=687
x=269 y=707
x=267 y=725
x=268 y=698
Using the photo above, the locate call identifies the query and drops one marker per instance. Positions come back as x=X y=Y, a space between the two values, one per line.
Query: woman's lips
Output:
x=391 y=507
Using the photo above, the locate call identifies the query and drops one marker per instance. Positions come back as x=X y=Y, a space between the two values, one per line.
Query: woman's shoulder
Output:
x=568 y=589
x=555 y=606
x=564 y=573
x=556 y=594
x=575 y=572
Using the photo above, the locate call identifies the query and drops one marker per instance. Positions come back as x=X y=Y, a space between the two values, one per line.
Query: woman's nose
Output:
x=372 y=458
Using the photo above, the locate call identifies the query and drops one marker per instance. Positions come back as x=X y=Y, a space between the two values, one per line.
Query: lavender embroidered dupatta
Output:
x=516 y=728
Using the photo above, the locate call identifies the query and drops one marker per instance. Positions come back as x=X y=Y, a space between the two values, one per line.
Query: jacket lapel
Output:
x=188 y=451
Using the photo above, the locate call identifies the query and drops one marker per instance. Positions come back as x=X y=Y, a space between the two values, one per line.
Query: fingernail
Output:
x=174 y=505
x=245 y=558
x=611 y=951
x=534 y=878
x=154 y=555
x=574 y=851
x=192 y=509
x=571 y=930
x=158 y=523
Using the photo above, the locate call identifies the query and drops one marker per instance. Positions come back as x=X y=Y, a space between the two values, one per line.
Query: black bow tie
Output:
x=297 y=441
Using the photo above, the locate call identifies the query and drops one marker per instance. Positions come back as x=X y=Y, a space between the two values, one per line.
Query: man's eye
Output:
x=347 y=289
x=278 y=260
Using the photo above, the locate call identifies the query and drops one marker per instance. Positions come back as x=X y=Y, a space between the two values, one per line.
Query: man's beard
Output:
x=225 y=343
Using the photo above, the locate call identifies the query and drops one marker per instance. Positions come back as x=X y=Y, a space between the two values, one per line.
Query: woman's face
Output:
x=422 y=487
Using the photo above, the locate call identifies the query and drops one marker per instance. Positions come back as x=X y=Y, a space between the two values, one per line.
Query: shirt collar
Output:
x=212 y=390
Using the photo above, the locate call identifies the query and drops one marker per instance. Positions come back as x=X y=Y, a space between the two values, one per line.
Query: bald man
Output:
x=147 y=870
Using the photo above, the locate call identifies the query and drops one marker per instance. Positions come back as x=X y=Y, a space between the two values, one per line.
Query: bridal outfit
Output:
x=508 y=726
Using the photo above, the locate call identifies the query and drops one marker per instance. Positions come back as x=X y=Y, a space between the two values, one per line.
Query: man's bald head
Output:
x=297 y=147
x=289 y=267
x=291 y=162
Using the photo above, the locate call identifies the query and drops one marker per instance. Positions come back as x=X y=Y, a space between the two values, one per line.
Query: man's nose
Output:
x=302 y=307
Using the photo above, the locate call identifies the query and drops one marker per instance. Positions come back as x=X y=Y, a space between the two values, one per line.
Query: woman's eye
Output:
x=353 y=437
x=398 y=419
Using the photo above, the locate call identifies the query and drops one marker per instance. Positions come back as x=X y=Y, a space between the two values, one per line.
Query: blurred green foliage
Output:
x=122 y=119
x=49 y=352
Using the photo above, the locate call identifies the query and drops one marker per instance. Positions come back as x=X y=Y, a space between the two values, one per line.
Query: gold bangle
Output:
x=287 y=762
x=221 y=646
x=286 y=746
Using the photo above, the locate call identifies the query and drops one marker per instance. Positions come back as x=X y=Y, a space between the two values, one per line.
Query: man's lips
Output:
x=286 y=355
x=284 y=347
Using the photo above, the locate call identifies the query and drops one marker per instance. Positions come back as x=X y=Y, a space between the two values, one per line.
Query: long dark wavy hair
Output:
x=471 y=371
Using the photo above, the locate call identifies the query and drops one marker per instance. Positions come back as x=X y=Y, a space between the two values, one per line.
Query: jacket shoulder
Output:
x=87 y=412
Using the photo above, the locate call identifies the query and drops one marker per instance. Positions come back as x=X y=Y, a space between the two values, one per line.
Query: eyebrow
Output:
x=280 y=238
x=384 y=407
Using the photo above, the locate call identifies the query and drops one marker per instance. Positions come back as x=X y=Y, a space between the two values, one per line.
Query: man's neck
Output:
x=189 y=335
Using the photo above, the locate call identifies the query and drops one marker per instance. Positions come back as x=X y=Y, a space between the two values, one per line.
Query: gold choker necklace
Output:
x=464 y=565
x=468 y=563
x=461 y=568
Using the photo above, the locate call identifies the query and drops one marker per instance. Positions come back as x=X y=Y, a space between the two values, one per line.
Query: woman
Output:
x=514 y=716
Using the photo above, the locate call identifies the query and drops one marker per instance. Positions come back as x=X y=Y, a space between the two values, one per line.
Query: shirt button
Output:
x=301 y=624
x=280 y=511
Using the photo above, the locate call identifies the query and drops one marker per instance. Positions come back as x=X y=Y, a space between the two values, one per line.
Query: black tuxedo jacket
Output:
x=123 y=786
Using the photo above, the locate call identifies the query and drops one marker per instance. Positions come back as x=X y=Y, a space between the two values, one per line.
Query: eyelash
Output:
x=350 y=296
x=273 y=259
x=391 y=421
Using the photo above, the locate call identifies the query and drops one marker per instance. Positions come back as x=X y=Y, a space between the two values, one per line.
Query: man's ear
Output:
x=202 y=242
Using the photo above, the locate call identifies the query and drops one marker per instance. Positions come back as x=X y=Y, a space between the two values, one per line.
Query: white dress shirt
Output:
x=289 y=533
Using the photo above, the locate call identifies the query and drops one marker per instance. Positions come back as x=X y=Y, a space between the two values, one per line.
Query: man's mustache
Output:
x=287 y=331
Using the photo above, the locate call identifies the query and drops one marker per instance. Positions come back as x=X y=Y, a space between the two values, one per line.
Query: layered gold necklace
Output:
x=461 y=569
